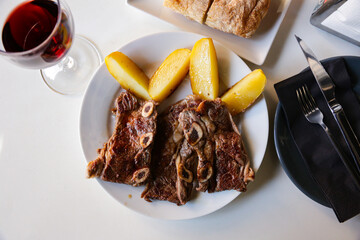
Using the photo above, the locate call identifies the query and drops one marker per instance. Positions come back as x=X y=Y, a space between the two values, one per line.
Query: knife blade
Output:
x=327 y=88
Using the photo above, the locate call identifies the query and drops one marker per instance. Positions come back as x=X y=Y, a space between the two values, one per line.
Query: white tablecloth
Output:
x=43 y=190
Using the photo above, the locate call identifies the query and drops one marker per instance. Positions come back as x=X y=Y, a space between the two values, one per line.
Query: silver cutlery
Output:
x=327 y=88
x=314 y=115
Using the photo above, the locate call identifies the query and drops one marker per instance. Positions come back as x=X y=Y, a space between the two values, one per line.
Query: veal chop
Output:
x=197 y=144
x=222 y=160
x=126 y=156
x=173 y=158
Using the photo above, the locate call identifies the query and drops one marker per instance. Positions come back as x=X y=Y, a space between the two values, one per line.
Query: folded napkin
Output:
x=322 y=160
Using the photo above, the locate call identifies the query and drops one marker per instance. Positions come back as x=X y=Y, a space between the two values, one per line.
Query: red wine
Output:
x=31 y=23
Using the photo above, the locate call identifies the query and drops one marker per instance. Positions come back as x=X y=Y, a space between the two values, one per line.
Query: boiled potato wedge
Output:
x=245 y=92
x=203 y=71
x=128 y=74
x=169 y=75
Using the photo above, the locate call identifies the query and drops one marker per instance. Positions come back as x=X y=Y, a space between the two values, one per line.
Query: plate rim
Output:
x=279 y=111
x=87 y=92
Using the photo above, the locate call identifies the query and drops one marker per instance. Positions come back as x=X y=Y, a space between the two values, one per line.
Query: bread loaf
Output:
x=239 y=17
x=192 y=9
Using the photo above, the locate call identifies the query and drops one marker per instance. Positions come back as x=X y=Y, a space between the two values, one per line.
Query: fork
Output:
x=314 y=115
x=309 y=108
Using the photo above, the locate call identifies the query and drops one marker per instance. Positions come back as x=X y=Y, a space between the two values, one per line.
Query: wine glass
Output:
x=39 y=34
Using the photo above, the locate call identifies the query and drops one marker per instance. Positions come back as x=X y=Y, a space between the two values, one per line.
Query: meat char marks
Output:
x=197 y=143
x=232 y=164
x=126 y=156
x=174 y=160
x=222 y=160
x=193 y=143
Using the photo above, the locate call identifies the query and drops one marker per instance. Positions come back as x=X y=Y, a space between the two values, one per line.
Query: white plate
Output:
x=254 y=49
x=96 y=122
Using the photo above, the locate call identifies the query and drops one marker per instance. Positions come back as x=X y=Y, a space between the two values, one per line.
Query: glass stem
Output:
x=68 y=63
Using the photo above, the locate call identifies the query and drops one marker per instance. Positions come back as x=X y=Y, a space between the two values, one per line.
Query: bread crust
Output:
x=192 y=9
x=239 y=17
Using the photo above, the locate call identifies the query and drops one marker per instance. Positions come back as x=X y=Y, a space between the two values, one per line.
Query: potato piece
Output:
x=203 y=72
x=170 y=74
x=245 y=92
x=128 y=74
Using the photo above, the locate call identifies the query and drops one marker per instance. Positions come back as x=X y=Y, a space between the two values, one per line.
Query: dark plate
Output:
x=287 y=151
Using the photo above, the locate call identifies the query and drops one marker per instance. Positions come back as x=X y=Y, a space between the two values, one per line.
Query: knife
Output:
x=327 y=88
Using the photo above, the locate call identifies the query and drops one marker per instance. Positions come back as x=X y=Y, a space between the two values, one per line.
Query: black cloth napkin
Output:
x=323 y=162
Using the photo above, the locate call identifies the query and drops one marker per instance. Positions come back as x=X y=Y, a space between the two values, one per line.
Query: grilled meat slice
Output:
x=126 y=157
x=232 y=164
x=185 y=168
x=214 y=136
x=172 y=158
x=201 y=140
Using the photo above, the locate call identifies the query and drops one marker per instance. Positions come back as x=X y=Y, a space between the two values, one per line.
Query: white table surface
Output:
x=43 y=190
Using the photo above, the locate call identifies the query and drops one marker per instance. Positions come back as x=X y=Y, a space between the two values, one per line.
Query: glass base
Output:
x=73 y=73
